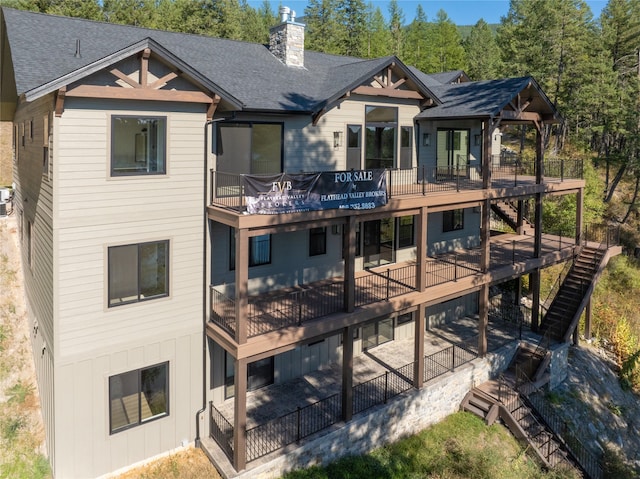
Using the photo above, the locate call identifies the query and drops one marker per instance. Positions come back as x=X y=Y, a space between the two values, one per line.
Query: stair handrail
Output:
x=556 y=286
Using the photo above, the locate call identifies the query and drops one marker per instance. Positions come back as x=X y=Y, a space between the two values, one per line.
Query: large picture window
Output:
x=381 y=136
x=138 y=145
x=136 y=397
x=253 y=148
x=138 y=272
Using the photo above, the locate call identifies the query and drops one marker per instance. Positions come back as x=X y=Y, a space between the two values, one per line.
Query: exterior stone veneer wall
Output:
x=559 y=364
x=403 y=416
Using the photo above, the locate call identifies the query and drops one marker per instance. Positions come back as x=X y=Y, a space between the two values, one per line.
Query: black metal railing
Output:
x=382 y=285
x=221 y=431
x=227 y=189
x=293 y=308
x=292 y=427
x=382 y=388
x=605 y=235
x=588 y=462
x=447 y=360
x=223 y=310
x=452 y=266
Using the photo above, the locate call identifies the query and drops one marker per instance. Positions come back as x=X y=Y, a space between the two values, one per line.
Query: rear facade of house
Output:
x=202 y=220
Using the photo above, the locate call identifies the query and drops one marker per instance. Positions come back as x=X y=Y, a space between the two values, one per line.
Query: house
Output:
x=203 y=219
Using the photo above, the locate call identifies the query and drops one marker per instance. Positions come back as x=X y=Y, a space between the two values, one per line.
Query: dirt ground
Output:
x=22 y=438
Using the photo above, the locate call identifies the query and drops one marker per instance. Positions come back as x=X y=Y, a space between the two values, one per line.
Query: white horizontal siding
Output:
x=96 y=211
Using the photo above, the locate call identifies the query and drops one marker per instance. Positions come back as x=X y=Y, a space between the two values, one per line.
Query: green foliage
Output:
x=615 y=467
x=630 y=372
x=10 y=427
x=460 y=446
x=19 y=392
x=483 y=54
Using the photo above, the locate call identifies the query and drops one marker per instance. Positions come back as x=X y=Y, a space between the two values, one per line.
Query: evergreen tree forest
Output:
x=589 y=68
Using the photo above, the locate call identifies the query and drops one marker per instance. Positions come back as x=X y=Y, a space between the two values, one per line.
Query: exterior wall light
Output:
x=426 y=139
x=337 y=139
x=478 y=140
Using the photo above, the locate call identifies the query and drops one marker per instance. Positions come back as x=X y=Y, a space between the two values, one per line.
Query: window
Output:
x=375 y=334
x=259 y=250
x=404 y=318
x=452 y=220
x=259 y=375
x=138 y=272
x=317 y=241
x=16 y=141
x=254 y=148
x=354 y=146
x=136 y=397
x=45 y=145
x=381 y=126
x=452 y=152
x=406 y=147
x=138 y=145
x=405 y=232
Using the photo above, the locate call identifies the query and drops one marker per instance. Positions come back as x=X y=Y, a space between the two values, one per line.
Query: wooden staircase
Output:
x=508 y=212
x=564 y=312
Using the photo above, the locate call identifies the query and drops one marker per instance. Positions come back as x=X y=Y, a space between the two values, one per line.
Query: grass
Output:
x=461 y=446
x=20 y=434
x=187 y=464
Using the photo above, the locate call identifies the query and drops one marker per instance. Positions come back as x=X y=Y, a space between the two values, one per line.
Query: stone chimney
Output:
x=286 y=40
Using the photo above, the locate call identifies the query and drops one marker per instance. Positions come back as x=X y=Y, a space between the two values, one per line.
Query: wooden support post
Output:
x=242 y=285
x=418 y=346
x=486 y=154
x=520 y=218
x=483 y=323
x=485 y=236
x=347 y=373
x=421 y=249
x=587 y=320
x=349 y=254
x=579 y=216
x=240 y=415
x=534 y=281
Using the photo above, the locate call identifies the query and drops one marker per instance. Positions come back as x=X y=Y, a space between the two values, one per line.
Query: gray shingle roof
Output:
x=485 y=99
x=43 y=50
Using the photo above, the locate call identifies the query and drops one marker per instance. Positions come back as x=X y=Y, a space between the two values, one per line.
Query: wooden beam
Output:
x=160 y=82
x=398 y=83
x=117 y=93
x=144 y=66
x=132 y=83
x=523 y=116
x=213 y=106
x=60 y=101
x=373 y=91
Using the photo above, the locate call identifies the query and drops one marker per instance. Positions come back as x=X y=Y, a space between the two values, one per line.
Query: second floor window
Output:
x=317 y=241
x=249 y=148
x=138 y=272
x=138 y=145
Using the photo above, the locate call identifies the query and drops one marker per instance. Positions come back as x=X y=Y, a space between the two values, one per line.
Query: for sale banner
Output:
x=292 y=193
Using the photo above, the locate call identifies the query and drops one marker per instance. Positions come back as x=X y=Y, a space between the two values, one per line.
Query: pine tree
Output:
x=483 y=54
x=352 y=17
x=446 y=51
x=396 y=27
x=323 y=33
x=378 y=43
x=417 y=38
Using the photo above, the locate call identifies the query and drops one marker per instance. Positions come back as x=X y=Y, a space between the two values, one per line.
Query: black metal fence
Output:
x=449 y=359
x=382 y=388
x=221 y=431
x=292 y=427
x=588 y=461
x=382 y=285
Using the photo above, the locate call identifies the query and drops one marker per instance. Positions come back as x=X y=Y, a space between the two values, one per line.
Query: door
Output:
x=452 y=153
x=377 y=333
x=378 y=247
